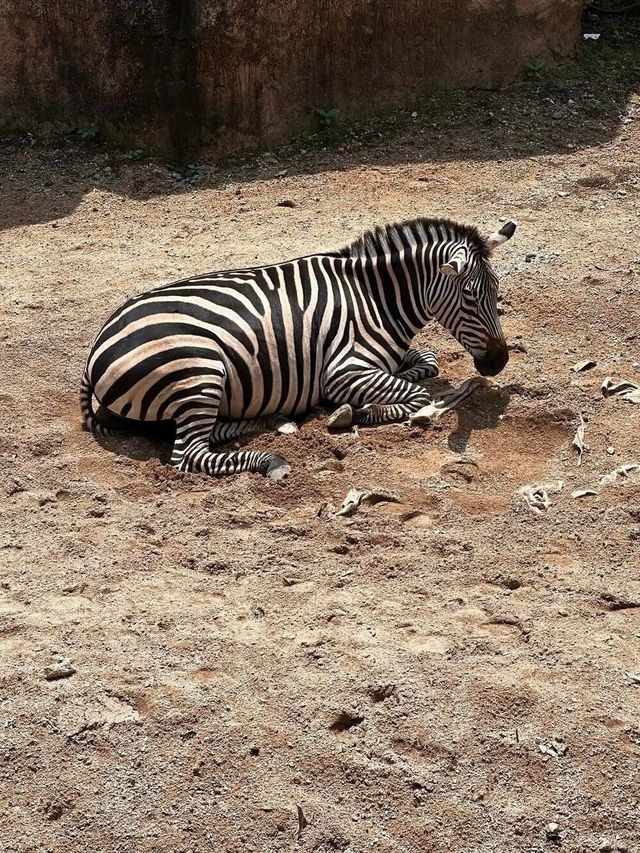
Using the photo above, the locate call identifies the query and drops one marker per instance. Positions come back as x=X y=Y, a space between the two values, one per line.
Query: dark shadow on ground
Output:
x=481 y=411
x=136 y=440
x=575 y=107
x=145 y=441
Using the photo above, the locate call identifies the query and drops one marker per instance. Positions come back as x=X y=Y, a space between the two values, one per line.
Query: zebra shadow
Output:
x=482 y=411
x=135 y=439
x=145 y=441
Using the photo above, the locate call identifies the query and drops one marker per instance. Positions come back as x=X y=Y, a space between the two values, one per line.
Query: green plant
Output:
x=535 y=67
x=134 y=154
x=327 y=118
x=88 y=133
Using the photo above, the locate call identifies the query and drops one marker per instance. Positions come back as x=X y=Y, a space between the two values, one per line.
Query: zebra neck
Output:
x=397 y=284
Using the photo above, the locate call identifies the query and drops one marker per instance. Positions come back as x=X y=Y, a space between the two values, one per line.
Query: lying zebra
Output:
x=225 y=353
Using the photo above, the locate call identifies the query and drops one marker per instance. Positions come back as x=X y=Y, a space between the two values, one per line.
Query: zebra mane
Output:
x=386 y=239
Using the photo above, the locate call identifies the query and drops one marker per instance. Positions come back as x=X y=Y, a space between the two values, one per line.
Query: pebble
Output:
x=611 y=450
x=61 y=669
x=287 y=202
x=552 y=831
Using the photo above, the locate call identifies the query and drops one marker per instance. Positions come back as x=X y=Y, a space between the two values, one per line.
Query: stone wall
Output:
x=182 y=75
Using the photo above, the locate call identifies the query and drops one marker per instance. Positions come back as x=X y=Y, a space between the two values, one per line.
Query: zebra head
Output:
x=468 y=306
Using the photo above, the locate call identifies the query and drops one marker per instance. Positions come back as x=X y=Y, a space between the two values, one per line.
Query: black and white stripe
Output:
x=224 y=353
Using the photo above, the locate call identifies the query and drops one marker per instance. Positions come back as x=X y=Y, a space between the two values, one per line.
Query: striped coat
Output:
x=224 y=353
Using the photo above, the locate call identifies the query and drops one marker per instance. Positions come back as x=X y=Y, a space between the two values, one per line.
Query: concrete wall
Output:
x=183 y=75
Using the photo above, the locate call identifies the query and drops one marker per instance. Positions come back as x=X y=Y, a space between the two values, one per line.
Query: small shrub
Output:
x=327 y=118
x=194 y=170
x=535 y=67
x=88 y=133
x=134 y=154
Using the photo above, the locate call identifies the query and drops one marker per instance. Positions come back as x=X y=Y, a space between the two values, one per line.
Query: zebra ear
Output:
x=456 y=264
x=499 y=237
x=450 y=269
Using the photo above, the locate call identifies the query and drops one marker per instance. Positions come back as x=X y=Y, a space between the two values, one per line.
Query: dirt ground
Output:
x=452 y=672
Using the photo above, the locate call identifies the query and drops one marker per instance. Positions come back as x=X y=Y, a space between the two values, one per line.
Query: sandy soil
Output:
x=448 y=673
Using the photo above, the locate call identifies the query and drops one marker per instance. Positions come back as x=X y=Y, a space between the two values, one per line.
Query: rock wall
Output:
x=183 y=75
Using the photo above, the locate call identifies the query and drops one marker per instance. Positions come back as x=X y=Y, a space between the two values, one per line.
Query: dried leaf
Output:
x=578 y=440
x=626 y=390
x=623 y=471
x=582 y=493
x=579 y=366
x=302 y=821
x=608 y=479
x=351 y=503
x=536 y=495
x=355 y=497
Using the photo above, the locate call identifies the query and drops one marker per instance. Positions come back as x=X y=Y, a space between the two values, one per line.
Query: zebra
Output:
x=224 y=354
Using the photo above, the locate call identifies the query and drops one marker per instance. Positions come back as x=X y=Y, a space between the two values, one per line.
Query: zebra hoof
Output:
x=424 y=417
x=278 y=469
x=342 y=418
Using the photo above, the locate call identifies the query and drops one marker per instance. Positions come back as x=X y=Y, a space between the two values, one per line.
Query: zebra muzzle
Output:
x=494 y=359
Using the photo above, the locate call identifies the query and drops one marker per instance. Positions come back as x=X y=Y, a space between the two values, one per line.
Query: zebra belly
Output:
x=288 y=387
x=140 y=383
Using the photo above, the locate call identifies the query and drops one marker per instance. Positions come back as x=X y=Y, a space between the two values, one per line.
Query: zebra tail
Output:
x=89 y=420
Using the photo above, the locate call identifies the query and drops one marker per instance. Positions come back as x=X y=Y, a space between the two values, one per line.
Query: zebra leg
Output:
x=374 y=414
x=418 y=365
x=223 y=431
x=370 y=396
x=195 y=417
